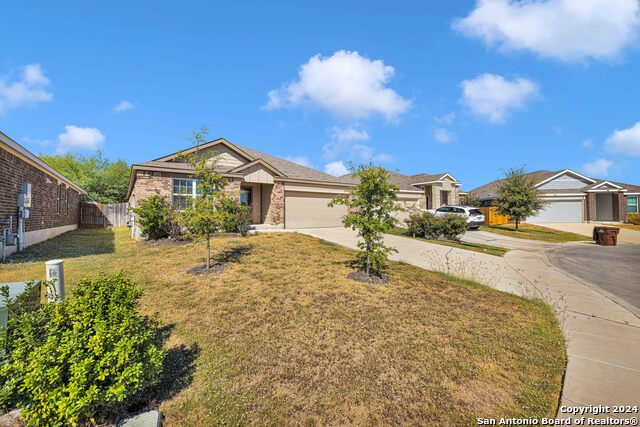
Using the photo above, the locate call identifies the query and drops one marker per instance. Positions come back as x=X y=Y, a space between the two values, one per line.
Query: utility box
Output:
x=24 y=199
x=19 y=290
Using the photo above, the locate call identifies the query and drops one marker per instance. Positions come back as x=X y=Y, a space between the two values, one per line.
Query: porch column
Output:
x=590 y=214
x=275 y=211
x=619 y=207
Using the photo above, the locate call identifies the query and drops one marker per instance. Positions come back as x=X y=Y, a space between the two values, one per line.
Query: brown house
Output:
x=36 y=201
x=282 y=194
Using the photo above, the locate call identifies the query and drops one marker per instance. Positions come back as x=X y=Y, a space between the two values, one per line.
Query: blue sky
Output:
x=472 y=88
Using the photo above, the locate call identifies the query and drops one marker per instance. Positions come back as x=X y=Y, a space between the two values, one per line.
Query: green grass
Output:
x=475 y=247
x=535 y=232
x=634 y=227
x=282 y=337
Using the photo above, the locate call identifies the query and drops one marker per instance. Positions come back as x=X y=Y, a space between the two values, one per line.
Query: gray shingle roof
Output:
x=490 y=190
x=403 y=182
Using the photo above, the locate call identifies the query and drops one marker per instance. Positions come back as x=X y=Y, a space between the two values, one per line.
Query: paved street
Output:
x=614 y=269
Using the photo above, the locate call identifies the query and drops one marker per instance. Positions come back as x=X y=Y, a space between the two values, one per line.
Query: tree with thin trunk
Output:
x=203 y=218
x=371 y=204
x=517 y=196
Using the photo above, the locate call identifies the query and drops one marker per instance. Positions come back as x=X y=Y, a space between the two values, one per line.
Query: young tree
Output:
x=203 y=218
x=517 y=196
x=371 y=204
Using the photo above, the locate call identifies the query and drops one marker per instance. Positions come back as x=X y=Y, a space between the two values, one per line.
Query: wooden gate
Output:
x=97 y=215
x=492 y=217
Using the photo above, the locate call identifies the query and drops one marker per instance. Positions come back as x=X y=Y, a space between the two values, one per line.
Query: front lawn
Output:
x=535 y=232
x=282 y=337
x=475 y=247
x=634 y=227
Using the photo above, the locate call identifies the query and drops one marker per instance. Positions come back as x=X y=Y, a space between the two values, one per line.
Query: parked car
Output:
x=474 y=216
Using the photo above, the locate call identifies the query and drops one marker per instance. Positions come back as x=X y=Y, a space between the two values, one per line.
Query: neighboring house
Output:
x=54 y=200
x=281 y=193
x=572 y=197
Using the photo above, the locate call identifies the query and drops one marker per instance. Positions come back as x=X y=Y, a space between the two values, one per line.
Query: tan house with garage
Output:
x=282 y=194
x=573 y=197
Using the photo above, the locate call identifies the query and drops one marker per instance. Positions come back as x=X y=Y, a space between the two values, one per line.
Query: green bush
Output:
x=427 y=225
x=452 y=226
x=423 y=224
x=633 y=219
x=83 y=359
x=154 y=217
x=237 y=217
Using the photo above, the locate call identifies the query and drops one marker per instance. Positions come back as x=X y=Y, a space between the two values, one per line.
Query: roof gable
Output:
x=564 y=179
x=258 y=162
x=208 y=146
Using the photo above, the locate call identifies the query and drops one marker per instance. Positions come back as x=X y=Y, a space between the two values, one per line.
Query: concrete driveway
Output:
x=603 y=336
x=625 y=235
x=614 y=269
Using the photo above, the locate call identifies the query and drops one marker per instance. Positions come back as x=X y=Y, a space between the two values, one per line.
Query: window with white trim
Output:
x=184 y=190
x=632 y=205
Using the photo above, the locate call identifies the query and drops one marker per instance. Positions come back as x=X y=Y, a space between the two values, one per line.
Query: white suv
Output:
x=473 y=215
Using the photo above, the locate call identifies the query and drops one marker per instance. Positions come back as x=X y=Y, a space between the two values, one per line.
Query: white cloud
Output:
x=349 y=134
x=301 y=160
x=493 y=97
x=446 y=119
x=444 y=136
x=82 y=139
x=625 y=141
x=346 y=85
x=123 y=106
x=28 y=90
x=598 y=168
x=567 y=30
x=336 y=168
x=36 y=142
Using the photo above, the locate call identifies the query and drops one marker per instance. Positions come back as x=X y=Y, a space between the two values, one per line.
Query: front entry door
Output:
x=246 y=196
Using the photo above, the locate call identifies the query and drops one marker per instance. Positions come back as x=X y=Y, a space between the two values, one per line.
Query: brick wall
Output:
x=619 y=207
x=44 y=195
x=590 y=207
x=150 y=183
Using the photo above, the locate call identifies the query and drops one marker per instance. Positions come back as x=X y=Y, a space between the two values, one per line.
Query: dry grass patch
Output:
x=284 y=338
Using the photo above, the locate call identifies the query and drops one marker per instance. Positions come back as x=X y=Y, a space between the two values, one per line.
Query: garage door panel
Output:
x=310 y=210
x=559 y=211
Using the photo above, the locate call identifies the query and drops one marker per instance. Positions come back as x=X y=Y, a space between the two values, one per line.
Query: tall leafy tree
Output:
x=517 y=196
x=371 y=205
x=203 y=218
x=104 y=181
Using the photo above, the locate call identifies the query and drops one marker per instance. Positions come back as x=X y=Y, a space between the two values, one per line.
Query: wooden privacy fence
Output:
x=97 y=215
x=492 y=217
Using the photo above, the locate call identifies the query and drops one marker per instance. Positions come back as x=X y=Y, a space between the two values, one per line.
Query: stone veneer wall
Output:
x=275 y=212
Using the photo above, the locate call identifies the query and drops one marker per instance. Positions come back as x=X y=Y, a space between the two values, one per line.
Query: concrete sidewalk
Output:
x=584 y=228
x=603 y=337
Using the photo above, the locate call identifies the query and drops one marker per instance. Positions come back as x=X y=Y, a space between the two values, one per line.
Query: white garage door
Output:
x=310 y=210
x=559 y=211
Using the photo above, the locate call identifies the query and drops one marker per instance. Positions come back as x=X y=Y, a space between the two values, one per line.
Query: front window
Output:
x=632 y=205
x=184 y=190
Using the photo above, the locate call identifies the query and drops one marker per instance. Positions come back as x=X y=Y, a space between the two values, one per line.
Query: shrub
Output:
x=423 y=224
x=154 y=217
x=83 y=359
x=633 y=219
x=452 y=226
x=427 y=225
x=237 y=217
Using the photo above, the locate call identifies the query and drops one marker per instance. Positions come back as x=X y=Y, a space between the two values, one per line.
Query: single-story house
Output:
x=36 y=201
x=282 y=194
x=573 y=197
